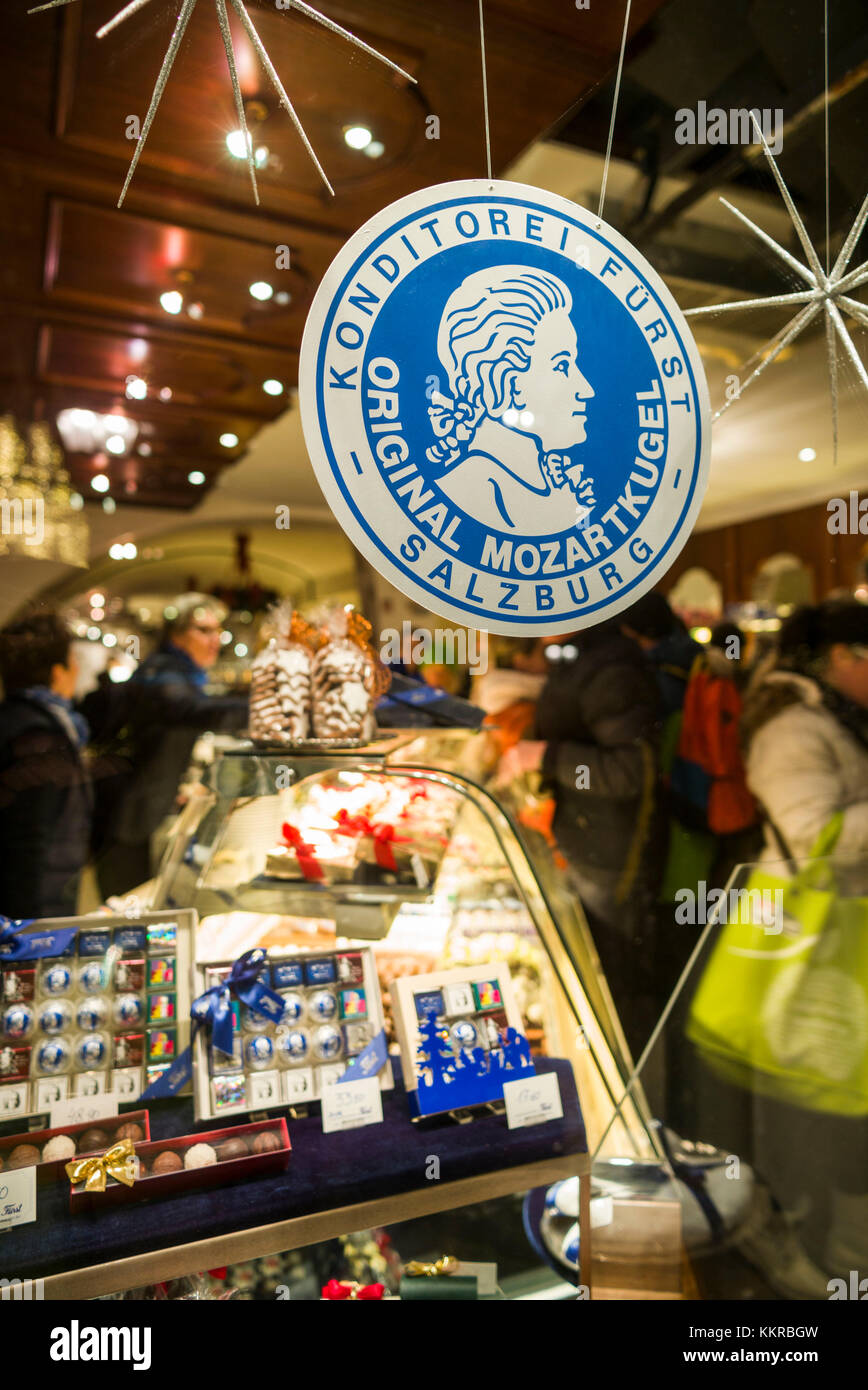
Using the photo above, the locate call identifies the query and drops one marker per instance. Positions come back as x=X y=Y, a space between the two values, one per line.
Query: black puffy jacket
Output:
x=146 y=730
x=45 y=812
x=600 y=716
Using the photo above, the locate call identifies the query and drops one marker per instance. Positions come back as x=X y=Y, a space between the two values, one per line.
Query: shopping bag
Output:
x=782 y=1005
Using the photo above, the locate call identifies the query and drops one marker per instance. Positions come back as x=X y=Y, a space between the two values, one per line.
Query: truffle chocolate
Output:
x=130 y=1131
x=267 y=1142
x=167 y=1162
x=61 y=1146
x=200 y=1156
x=91 y=1140
x=23 y=1156
x=232 y=1148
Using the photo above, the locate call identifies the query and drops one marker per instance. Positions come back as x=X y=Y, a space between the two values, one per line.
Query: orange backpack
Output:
x=708 y=785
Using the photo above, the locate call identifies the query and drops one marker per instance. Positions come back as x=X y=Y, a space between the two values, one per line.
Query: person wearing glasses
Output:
x=148 y=728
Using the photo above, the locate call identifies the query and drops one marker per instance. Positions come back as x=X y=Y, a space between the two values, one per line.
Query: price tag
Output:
x=351 y=1105
x=17 y=1197
x=82 y=1110
x=532 y=1101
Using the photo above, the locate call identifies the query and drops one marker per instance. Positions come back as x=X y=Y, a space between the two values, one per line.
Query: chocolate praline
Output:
x=130 y=1131
x=23 y=1156
x=167 y=1162
x=92 y=1139
x=267 y=1142
x=232 y=1148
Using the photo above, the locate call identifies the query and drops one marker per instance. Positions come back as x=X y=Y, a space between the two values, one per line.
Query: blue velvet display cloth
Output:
x=325 y=1171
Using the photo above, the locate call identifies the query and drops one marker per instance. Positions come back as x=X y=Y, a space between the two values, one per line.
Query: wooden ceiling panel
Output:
x=103 y=259
x=229 y=377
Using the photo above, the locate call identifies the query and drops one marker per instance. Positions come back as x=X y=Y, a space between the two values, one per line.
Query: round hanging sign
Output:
x=505 y=408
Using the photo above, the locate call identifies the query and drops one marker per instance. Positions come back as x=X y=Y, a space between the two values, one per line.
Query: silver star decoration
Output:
x=186 y=9
x=827 y=292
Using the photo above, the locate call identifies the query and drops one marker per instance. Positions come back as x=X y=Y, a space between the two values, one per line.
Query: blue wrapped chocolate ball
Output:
x=55 y=1017
x=92 y=1013
x=53 y=1056
x=292 y=1046
x=92 y=977
x=18 y=1021
x=464 y=1033
x=57 y=980
x=128 y=1010
x=91 y=1051
x=323 y=1005
x=293 y=1008
x=327 y=1043
x=259 y=1052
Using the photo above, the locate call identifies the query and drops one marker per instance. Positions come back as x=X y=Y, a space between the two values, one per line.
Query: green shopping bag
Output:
x=784 y=1012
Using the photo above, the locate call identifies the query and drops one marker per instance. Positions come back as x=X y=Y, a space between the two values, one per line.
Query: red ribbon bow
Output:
x=338 y=1290
x=304 y=853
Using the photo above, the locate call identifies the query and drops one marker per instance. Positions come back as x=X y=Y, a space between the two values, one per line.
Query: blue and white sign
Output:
x=505 y=408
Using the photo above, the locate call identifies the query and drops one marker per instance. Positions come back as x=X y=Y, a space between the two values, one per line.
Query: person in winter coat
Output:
x=149 y=726
x=667 y=645
x=599 y=718
x=805 y=726
x=45 y=791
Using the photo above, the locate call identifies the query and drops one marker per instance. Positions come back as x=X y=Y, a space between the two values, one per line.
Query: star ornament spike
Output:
x=825 y=293
x=185 y=10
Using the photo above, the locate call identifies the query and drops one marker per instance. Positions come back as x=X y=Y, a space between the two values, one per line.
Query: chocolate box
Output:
x=46 y=1172
x=218 y=1174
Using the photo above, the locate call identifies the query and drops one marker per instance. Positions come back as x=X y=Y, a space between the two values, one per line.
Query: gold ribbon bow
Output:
x=447 y=1264
x=118 y=1162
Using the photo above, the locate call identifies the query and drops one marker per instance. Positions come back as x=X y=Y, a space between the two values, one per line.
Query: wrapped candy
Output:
x=280 y=681
x=346 y=678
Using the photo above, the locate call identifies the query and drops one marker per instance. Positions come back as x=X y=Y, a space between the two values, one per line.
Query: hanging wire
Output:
x=485 y=93
x=826 y=113
x=614 y=110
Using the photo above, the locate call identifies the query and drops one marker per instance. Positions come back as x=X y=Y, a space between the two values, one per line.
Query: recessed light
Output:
x=116 y=444
x=237 y=144
x=197 y=478
x=97 y=614
x=94 y=634
x=260 y=289
x=229 y=440
x=375 y=149
x=130 y=550
x=260 y=156
x=109 y=505
x=283 y=297
x=196 y=309
x=358 y=137
x=272 y=387
x=807 y=455
x=240 y=648
x=110 y=640
x=225 y=638
x=97 y=600
x=136 y=388
x=100 y=483
x=165 y=395
x=172 y=301
x=116 y=551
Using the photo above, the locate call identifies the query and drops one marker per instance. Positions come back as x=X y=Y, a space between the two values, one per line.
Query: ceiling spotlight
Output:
x=261 y=290
x=237 y=144
x=260 y=156
x=76 y=501
x=145 y=450
x=97 y=614
x=116 y=551
x=100 y=483
x=358 y=137
x=136 y=388
x=110 y=640
x=272 y=387
x=375 y=149
x=172 y=301
x=229 y=440
x=196 y=309
x=116 y=443
x=283 y=297
x=225 y=638
x=94 y=634
x=165 y=395
x=240 y=648
x=97 y=600
x=807 y=455
x=197 y=478
x=109 y=505
x=130 y=550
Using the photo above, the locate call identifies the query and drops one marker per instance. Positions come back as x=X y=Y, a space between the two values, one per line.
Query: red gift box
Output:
x=184 y=1179
x=45 y=1172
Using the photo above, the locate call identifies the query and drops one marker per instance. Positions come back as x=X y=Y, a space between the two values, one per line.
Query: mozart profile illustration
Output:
x=517 y=404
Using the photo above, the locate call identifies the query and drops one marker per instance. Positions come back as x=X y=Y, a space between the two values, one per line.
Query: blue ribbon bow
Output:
x=213 y=1010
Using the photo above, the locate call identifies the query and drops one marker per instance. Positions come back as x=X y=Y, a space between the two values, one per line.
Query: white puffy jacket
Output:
x=803 y=765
